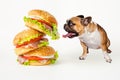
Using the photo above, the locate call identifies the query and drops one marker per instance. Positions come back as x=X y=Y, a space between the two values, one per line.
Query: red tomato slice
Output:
x=42 y=21
x=33 y=58
x=31 y=41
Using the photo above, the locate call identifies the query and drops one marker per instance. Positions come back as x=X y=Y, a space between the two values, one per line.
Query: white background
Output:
x=68 y=66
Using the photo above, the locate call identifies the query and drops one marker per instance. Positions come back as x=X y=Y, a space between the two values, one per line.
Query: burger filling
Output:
x=37 y=44
x=32 y=41
x=26 y=60
x=49 y=29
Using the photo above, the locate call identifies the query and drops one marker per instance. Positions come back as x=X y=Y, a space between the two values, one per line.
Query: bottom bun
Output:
x=40 y=63
x=35 y=63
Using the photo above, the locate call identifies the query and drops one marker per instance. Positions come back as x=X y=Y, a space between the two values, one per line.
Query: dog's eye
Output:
x=70 y=23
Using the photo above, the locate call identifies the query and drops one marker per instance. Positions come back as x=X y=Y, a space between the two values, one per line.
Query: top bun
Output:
x=43 y=51
x=25 y=34
x=44 y=15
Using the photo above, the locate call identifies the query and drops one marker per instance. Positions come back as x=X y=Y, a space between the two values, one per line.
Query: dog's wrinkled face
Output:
x=75 y=26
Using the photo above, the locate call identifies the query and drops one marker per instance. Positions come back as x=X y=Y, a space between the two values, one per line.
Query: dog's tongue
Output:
x=68 y=35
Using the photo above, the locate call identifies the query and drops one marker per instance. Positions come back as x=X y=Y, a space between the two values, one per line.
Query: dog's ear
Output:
x=86 y=20
x=80 y=16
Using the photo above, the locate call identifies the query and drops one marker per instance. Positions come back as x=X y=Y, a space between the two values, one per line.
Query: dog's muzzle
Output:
x=71 y=32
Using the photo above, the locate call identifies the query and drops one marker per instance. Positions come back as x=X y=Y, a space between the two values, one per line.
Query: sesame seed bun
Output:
x=41 y=14
x=42 y=51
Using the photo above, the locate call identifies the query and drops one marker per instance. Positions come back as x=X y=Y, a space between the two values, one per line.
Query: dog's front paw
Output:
x=82 y=57
x=109 y=60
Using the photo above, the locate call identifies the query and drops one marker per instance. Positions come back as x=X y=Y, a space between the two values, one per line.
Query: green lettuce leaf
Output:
x=53 y=61
x=56 y=55
x=28 y=38
x=55 y=58
x=54 y=33
x=43 y=43
x=27 y=63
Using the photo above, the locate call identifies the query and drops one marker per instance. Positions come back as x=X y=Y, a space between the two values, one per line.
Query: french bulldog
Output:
x=90 y=34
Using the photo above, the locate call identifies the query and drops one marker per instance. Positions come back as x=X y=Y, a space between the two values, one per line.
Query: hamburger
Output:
x=38 y=57
x=42 y=21
x=28 y=40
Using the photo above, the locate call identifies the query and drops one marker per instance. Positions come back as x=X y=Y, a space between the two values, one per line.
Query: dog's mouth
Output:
x=70 y=35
